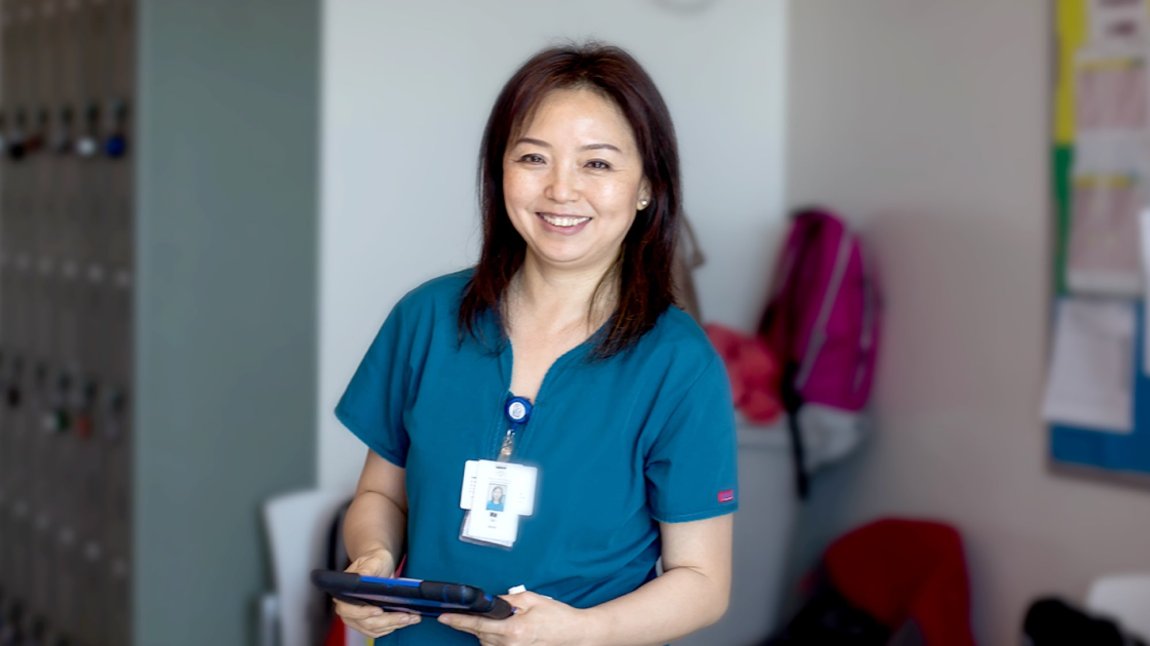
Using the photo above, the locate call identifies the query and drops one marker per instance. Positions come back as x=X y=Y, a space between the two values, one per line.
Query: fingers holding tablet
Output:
x=373 y=621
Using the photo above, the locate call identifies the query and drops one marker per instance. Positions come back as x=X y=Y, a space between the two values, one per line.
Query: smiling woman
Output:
x=559 y=362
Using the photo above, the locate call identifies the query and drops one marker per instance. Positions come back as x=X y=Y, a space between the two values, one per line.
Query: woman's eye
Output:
x=531 y=158
x=598 y=164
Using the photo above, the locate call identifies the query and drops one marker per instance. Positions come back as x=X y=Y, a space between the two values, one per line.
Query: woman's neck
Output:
x=563 y=299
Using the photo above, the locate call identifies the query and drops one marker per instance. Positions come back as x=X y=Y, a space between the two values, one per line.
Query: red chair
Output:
x=903 y=571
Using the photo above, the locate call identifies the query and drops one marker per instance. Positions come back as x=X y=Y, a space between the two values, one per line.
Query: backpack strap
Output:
x=868 y=336
x=805 y=227
x=792 y=403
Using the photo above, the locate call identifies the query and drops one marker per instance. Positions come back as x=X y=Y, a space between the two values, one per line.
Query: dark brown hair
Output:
x=644 y=266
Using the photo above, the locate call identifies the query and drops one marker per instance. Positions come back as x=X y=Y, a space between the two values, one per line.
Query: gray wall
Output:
x=226 y=309
x=929 y=123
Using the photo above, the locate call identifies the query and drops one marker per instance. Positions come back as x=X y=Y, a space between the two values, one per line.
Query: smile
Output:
x=564 y=221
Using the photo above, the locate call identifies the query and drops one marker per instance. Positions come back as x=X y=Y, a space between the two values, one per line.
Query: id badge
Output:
x=495 y=495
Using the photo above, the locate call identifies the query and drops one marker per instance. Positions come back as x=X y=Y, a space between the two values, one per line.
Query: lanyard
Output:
x=517 y=410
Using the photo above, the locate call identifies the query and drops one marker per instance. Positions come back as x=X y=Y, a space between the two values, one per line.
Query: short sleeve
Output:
x=373 y=405
x=692 y=466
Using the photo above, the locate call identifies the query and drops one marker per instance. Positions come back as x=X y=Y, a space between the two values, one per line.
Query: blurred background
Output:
x=182 y=306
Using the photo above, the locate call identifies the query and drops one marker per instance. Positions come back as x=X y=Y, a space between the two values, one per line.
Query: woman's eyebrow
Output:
x=544 y=144
x=529 y=140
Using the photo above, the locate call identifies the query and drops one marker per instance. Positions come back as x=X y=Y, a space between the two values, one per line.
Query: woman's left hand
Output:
x=537 y=620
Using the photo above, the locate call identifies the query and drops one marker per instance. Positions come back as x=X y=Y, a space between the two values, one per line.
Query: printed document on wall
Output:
x=1109 y=192
x=1090 y=380
x=1111 y=89
x=1144 y=245
x=1118 y=21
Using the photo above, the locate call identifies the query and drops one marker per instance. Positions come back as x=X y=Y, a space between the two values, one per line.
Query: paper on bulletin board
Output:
x=1111 y=89
x=1119 y=20
x=1144 y=239
x=1109 y=191
x=1090 y=380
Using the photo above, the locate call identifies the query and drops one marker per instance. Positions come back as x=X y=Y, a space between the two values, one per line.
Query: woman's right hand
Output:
x=370 y=620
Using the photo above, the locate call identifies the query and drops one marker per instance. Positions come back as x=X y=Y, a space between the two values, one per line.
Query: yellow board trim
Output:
x=1116 y=63
x=1105 y=181
x=1071 y=34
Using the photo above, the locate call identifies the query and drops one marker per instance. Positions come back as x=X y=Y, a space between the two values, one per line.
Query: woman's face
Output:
x=573 y=180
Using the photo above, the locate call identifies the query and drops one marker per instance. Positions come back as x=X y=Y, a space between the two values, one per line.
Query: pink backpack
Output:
x=822 y=320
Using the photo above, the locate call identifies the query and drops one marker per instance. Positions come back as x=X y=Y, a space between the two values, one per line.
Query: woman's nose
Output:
x=562 y=185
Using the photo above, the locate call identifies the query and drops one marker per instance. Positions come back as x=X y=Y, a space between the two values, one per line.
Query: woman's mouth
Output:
x=563 y=221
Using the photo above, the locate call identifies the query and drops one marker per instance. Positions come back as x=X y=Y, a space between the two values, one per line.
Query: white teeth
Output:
x=562 y=221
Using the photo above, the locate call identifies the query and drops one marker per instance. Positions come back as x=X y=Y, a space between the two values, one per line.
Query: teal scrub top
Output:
x=621 y=444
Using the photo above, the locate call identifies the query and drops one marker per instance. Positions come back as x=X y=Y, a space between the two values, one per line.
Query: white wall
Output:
x=406 y=91
x=928 y=122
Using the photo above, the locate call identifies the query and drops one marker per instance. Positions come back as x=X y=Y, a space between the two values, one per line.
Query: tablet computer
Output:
x=411 y=595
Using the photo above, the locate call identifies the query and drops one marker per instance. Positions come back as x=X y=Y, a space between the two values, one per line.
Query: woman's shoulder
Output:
x=678 y=339
x=677 y=326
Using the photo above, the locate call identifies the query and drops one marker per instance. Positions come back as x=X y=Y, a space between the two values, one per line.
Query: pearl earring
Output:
x=642 y=204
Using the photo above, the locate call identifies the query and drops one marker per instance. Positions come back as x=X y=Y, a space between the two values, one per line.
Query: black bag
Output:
x=1053 y=622
x=828 y=618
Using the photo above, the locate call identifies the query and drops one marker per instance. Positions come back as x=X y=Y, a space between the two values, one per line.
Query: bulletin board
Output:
x=1097 y=399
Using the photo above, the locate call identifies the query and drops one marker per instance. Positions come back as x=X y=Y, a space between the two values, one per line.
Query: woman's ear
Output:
x=644 y=194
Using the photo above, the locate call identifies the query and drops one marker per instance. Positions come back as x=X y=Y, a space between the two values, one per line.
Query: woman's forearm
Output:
x=677 y=603
x=674 y=605
x=374 y=522
x=692 y=592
